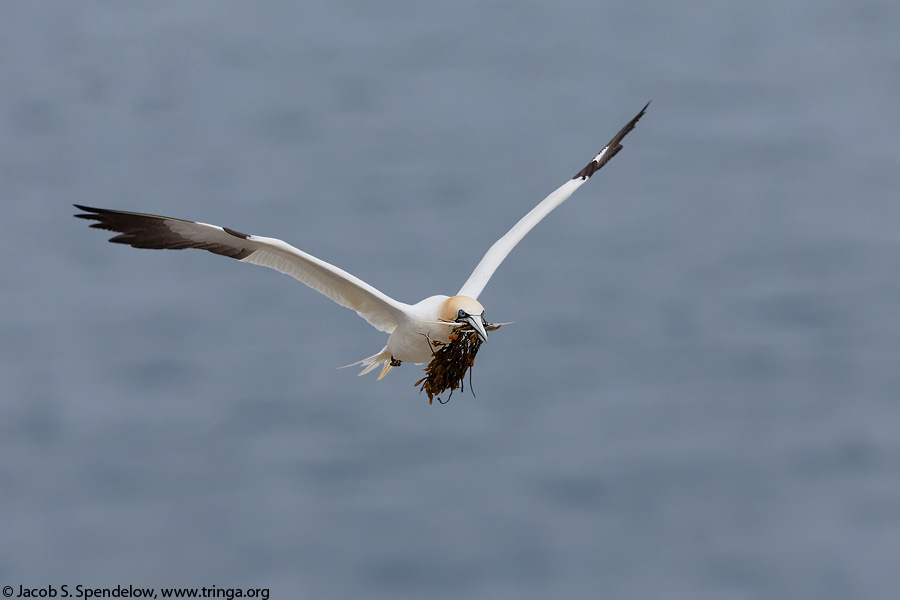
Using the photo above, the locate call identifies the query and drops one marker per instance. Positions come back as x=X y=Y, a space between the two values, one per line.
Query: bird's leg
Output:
x=395 y=362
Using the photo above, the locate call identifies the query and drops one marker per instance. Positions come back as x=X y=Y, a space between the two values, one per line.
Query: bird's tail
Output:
x=369 y=364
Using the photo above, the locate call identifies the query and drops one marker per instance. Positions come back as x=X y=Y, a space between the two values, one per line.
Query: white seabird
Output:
x=413 y=328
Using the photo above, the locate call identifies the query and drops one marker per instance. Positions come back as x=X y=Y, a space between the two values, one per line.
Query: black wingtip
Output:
x=643 y=110
x=612 y=148
x=639 y=115
x=89 y=212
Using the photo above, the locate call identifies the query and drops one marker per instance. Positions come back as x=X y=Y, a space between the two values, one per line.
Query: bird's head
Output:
x=465 y=310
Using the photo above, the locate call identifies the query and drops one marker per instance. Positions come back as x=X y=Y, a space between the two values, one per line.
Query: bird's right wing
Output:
x=502 y=247
x=153 y=231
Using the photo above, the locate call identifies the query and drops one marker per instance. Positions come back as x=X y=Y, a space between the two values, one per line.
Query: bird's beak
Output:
x=477 y=323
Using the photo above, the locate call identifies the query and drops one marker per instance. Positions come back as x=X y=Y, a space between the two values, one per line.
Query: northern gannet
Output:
x=413 y=328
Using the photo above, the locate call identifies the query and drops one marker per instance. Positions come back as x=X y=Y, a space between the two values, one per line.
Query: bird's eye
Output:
x=461 y=314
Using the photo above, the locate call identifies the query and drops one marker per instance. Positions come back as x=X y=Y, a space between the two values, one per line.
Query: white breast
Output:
x=412 y=340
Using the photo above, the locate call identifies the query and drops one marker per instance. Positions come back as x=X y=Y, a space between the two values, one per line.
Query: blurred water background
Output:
x=699 y=395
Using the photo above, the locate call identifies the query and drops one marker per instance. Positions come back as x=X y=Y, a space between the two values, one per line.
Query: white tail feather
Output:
x=371 y=363
x=385 y=370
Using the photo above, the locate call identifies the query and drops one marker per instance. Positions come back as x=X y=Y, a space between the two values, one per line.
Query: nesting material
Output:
x=451 y=362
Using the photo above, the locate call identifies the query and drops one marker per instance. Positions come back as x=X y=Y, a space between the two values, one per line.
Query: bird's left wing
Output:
x=153 y=231
x=502 y=247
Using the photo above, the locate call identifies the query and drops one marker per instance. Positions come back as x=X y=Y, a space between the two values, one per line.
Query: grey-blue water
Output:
x=699 y=395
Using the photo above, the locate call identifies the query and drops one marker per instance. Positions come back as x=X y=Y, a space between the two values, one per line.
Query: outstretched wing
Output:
x=153 y=231
x=502 y=247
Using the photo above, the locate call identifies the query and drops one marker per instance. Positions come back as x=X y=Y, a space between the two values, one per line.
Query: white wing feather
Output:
x=157 y=232
x=380 y=310
x=502 y=247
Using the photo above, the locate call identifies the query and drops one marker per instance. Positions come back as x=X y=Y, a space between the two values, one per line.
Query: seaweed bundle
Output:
x=452 y=360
